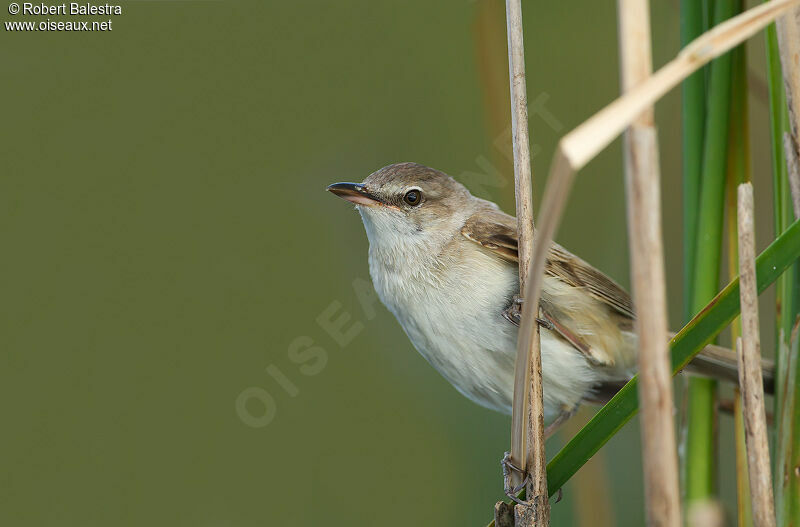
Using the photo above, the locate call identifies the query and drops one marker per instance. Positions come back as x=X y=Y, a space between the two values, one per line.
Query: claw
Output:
x=510 y=490
x=559 y=494
x=513 y=314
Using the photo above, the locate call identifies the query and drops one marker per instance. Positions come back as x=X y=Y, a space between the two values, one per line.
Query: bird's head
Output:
x=408 y=203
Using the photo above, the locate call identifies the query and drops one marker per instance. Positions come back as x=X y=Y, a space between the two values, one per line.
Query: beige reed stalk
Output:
x=706 y=514
x=527 y=435
x=788 y=29
x=751 y=382
x=581 y=145
x=792 y=172
x=659 y=450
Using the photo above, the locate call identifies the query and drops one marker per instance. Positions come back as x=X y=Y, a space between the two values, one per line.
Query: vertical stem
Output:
x=706 y=514
x=751 y=382
x=660 y=460
x=793 y=491
x=792 y=171
x=786 y=477
x=744 y=508
x=788 y=37
x=782 y=73
x=788 y=33
x=790 y=435
x=693 y=109
x=701 y=440
x=738 y=171
x=782 y=213
x=527 y=434
x=520 y=138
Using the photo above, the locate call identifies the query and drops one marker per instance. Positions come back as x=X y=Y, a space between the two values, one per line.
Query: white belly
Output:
x=462 y=333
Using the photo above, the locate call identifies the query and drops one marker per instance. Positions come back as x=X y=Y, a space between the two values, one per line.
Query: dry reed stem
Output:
x=659 y=451
x=784 y=471
x=750 y=380
x=788 y=29
x=792 y=171
x=706 y=513
x=520 y=137
x=527 y=437
x=582 y=144
x=503 y=514
x=579 y=146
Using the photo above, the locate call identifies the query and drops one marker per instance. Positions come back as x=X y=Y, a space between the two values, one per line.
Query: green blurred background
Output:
x=166 y=238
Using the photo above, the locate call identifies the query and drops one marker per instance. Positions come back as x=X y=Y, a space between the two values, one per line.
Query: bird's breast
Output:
x=452 y=313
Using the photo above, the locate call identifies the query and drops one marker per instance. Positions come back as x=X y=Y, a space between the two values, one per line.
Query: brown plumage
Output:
x=445 y=263
x=497 y=232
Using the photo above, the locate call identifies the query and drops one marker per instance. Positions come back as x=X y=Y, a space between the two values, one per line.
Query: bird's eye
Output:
x=413 y=197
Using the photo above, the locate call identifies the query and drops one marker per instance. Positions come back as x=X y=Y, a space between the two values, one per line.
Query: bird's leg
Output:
x=513 y=314
x=560 y=494
x=563 y=417
x=510 y=490
x=727 y=406
x=546 y=324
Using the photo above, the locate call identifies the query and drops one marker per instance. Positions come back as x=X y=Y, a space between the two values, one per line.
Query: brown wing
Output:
x=493 y=230
x=569 y=268
x=497 y=232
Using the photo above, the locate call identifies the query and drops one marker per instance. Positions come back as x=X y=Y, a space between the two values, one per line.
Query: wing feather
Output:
x=497 y=232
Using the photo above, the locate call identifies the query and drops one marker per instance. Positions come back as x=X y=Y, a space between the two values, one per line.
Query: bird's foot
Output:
x=510 y=490
x=513 y=314
x=563 y=417
x=513 y=492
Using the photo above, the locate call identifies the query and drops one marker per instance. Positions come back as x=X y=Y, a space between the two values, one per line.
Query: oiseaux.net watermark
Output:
x=65 y=17
x=257 y=406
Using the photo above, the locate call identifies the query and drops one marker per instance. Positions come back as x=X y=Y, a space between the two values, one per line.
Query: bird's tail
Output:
x=713 y=361
x=720 y=363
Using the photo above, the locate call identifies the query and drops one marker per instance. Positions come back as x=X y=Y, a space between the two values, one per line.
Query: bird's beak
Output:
x=354 y=192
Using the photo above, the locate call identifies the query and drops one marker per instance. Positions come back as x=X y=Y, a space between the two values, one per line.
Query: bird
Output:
x=446 y=264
